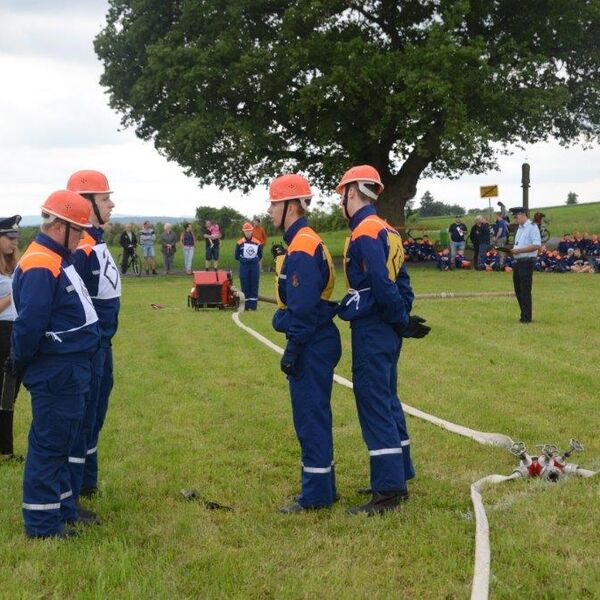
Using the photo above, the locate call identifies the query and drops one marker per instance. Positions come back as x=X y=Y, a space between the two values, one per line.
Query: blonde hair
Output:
x=8 y=262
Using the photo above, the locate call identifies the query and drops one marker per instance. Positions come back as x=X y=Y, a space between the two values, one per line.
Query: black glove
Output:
x=289 y=360
x=277 y=250
x=414 y=328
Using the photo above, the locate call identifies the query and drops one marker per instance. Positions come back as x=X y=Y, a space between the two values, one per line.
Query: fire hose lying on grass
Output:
x=550 y=465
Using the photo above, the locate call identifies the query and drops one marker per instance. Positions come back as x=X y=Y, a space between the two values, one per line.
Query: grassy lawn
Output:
x=199 y=403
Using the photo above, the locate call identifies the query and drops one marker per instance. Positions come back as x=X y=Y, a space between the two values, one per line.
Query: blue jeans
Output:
x=456 y=247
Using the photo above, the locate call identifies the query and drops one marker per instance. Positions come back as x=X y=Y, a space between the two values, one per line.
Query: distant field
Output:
x=560 y=220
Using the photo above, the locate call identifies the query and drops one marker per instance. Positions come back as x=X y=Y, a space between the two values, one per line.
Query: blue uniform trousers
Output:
x=58 y=387
x=375 y=353
x=105 y=385
x=311 y=406
x=249 y=275
x=78 y=453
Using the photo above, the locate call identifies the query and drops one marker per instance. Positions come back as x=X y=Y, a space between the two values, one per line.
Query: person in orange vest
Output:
x=54 y=338
x=249 y=251
x=305 y=277
x=99 y=272
x=378 y=306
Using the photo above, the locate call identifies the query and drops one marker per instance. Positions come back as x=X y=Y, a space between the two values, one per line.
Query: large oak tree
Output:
x=237 y=91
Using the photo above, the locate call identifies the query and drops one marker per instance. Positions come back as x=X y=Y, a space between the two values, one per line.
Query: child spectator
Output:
x=509 y=261
x=460 y=262
x=443 y=260
x=426 y=251
x=491 y=261
x=411 y=251
x=594 y=247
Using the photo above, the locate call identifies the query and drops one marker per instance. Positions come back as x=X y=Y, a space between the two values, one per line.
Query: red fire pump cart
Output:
x=213 y=289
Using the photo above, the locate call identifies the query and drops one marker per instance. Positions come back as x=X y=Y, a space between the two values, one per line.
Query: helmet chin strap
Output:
x=284 y=215
x=96 y=210
x=67 y=233
x=345 y=204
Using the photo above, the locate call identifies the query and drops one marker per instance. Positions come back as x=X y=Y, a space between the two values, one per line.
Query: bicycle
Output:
x=134 y=262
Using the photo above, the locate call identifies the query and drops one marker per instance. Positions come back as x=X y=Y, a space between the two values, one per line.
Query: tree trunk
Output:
x=396 y=194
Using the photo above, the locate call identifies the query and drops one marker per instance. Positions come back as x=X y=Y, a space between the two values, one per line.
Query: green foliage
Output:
x=241 y=91
x=230 y=220
x=199 y=403
x=572 y=198
x=434 y=208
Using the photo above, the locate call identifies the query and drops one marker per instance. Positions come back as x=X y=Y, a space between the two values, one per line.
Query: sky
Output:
x=55 y=119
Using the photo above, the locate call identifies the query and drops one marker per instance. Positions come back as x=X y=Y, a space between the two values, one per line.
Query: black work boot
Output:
x=88 y=491
x=85 y=517
x=298 y=508
x=67 y=532
x=379 y=503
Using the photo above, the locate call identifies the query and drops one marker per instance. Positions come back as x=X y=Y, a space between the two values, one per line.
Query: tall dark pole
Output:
x=525 y=184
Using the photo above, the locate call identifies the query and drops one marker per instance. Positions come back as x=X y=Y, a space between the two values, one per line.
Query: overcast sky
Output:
x=55 y=119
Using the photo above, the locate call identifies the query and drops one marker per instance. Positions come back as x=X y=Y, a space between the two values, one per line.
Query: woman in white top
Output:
x=9 y=255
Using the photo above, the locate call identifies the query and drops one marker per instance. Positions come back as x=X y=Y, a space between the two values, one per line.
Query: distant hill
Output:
x=31 y=220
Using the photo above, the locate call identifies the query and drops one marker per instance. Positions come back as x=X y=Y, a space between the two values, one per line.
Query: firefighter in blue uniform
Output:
x=378 y=306
x=100 y=274
x=249 y=251
x=96 y=267
x=54 y=338
x=304 y=282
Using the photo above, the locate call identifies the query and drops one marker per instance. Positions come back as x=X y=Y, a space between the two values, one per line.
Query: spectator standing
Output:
x=127 y=241
x=212 y=237
x=485 y=237
x=458 y=236
x=475 y=237
x=9 y=255
x=500 y=231
x=188 y=241
x=168 y=242
x=147 y=237
x=259 y=234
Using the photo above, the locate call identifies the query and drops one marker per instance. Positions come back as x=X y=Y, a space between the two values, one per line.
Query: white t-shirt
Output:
x=10 y=312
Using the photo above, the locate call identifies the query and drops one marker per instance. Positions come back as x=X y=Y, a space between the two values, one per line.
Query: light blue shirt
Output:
x=526 y=235
x=9 y=313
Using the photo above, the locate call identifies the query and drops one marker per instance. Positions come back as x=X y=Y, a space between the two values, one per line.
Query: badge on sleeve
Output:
x=295 y=280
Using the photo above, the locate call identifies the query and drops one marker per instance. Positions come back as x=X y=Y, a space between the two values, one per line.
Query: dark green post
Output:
x=525 y=184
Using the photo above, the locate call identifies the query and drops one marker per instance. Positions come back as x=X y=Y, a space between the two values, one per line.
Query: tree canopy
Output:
x=430 y=207
x=239 y=91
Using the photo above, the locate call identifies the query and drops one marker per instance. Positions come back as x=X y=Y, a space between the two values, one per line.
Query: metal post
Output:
x=525 y=184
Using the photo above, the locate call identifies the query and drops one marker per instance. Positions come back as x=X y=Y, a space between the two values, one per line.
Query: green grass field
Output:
x=199 y=403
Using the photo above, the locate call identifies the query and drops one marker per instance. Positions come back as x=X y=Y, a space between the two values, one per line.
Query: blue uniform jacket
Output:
x=55 y=313
x=305 y=278
x=248 y=250
x=379 y=284
x=96 y=267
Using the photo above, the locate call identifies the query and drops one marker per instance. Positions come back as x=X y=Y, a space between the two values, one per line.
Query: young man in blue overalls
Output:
x=249 y=251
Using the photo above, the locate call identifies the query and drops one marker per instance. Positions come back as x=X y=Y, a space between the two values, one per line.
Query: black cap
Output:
x=518 y=210
x=9 y=226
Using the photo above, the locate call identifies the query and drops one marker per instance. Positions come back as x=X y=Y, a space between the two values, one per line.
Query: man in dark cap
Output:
x=527 y=244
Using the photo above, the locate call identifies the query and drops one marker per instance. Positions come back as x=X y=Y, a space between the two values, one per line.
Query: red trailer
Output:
x=212 y=289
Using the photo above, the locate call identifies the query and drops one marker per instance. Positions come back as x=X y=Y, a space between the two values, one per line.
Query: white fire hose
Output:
x=481 y=572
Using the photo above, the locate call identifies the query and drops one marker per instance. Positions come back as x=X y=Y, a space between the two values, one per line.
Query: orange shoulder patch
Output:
x=371 y=227
x=241 y=240
x=39 y=257
x=87 y=243
x=306 y=240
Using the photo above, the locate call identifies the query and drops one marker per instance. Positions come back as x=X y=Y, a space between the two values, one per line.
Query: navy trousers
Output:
x=105 y=385
x=249 y=275
x=375 y=353
x=58 y=388
x=79 y=451
x=310 y=391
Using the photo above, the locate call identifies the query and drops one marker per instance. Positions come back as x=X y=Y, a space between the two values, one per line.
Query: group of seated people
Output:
x=494 y=261
x=419 y=250
x=586 y=244
x=574 y=261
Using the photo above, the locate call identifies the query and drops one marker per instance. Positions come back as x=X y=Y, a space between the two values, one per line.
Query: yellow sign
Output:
x=488 y=191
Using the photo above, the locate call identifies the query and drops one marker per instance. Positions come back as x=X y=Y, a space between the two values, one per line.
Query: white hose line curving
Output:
x=481 y=572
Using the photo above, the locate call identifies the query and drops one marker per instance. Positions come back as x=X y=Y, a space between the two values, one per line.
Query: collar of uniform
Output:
x=96 y=233
x=44 y=240
x=361 y=214
x=526 y=224
x=295 y=227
